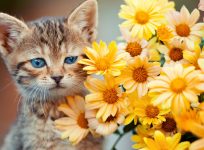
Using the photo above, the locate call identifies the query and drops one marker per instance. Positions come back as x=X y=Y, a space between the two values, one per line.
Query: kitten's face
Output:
x=42 y=56
x=45 y=63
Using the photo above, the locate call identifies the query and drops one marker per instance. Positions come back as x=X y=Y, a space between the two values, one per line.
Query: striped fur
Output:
x=52 y=39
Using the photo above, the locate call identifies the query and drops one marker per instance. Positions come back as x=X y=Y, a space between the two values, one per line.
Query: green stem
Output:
x=116 y=142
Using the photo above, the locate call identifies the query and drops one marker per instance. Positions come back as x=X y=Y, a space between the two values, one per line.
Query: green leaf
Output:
x=117 y=132
x=129 y=127
x=201 y=98
x=202 y=43
x=162 y=60
x=188 y=136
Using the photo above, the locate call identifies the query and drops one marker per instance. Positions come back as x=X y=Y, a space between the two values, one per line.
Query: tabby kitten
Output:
x=42 y=58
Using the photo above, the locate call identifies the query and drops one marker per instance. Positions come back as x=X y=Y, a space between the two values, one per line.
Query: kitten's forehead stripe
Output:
x=51 y=32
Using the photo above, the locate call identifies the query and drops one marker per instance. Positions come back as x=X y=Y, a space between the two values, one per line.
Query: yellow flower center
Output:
x=102 y=64
x=134 y=49
x=140 y=74
x=151 y=111
x=110 y=118
x=82 y=121
x=169 y=125
x=142 y=17
x=164 y=33
x=183 y=30
x=110 y=96
x=178 y=85
x=176 y=54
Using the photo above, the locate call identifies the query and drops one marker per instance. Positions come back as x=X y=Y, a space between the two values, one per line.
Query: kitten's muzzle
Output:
x=57 y=79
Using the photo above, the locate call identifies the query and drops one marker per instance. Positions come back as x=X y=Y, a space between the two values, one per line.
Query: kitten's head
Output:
x=42 y=55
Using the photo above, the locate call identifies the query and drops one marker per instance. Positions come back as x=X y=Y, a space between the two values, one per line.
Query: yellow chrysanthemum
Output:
x=160 y=142
x=142 y=17
x=184 y=26
x=103 y=59
x=173 y=52
x=147 y=113
x=176 y=87
x=104 y=127
x=106 y=96
x=141 y=132
x=164 y=33
x=75 y=126
x=137 y=74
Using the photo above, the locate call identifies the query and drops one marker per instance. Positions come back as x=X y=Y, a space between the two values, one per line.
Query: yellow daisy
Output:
x=133 y=46
x=104 y=127
x=131 y=115
x=191 y=121
x=184 y=26
x=173 y=52
x=197 y=145
x=195 y=57
x=148 y=113
x=106 y=96
x=75 y=125
x=103 y=59
x=153 y=47
x=168 y=127
x=164 y=33
x=176 y=87
x=161 y=142
x=165 y=6
x=142 y=17
x=137 y=74
x=141 y=132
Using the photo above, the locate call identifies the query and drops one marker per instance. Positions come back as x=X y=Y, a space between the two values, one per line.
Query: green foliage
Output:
x=201 y=97
x=129 y=127
x=188 y=136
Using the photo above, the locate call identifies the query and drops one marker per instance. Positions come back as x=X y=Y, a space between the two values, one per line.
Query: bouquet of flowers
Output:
x=151 y=83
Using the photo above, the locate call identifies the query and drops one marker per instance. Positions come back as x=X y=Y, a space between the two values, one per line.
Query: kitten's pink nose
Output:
x=57 y=79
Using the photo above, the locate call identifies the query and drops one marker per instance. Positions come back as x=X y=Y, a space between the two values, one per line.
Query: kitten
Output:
x=42 y=58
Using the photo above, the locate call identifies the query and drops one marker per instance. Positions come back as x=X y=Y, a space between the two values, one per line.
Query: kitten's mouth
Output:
x=57 y=87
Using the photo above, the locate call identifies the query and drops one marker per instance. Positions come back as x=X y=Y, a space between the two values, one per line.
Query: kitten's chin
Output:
x=60 y=92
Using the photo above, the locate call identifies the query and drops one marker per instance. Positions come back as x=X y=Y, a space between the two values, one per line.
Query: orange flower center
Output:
x=110 y=118
x=142 y=17
x=82 y=121
x=110 y=96
x=140 y=74
x=164 y=33
x=102 y=64
x=169 y=125
x=134 y=49
x=176 y=54
x=151 y=111
x=183 y=30
x=178 y=85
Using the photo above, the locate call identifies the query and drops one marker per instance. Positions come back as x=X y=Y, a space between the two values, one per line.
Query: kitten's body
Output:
x=53 y=40
x=35 y=132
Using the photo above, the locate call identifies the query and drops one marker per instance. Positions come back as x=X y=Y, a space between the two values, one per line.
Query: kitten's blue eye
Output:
x=71 y=59
x=38 y=62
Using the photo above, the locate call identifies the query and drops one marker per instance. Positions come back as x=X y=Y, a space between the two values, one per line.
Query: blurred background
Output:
x=33 y=9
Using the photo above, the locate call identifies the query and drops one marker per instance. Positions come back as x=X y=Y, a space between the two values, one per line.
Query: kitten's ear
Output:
x=11 y=31
x=85 y=18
